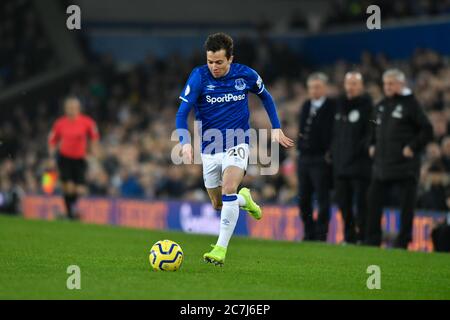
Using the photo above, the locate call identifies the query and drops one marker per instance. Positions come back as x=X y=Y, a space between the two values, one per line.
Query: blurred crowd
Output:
x=24 y=48
x=135 y=111
x=25 y=51
x=344 y=12
x=353 y=12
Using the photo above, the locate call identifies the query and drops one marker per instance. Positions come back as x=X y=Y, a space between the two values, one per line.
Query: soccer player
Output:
x=218 y=91
x=68 y=141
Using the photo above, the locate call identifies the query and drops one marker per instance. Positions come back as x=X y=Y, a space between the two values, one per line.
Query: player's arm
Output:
x=182 y=130
x=266 y=98
x=277 y=134
x=188 y=98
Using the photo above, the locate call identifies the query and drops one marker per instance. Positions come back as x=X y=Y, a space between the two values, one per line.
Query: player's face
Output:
x=218 y=63
x=72 y=107
x=392 y=86
x=316 y=89
x=353 y=86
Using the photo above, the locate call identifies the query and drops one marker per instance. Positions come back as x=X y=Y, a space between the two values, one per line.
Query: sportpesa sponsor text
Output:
x=225 y=98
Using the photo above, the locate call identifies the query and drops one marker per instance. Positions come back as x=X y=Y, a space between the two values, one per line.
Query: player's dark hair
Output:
x=219 y=41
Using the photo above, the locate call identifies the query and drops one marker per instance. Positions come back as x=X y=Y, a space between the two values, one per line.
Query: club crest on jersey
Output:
x=397 y=113
x=239 y=84
x=353 y=116
x=259 y=82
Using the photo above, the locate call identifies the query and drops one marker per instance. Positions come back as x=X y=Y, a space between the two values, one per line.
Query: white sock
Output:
x=228 y=218
x=241 y=200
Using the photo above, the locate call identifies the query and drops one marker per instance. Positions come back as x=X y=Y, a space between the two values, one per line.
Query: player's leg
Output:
x=69 y=197
x=244 y=198
x=79 y=178
x=238 y=156
x=233 y=163
x=232 y=177
x=215 y=195
x=68 y=186
x=80 y=191
x=246 y=203
x=212 y=177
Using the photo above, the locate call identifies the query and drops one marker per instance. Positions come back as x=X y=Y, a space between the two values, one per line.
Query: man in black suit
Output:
x=401 y=133
x=350 y=155
x=314 y=169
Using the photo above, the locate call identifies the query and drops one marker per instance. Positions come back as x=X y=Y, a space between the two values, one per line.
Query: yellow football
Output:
x=166 y=255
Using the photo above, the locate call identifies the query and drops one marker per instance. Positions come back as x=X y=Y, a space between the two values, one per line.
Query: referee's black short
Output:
x=73 y=170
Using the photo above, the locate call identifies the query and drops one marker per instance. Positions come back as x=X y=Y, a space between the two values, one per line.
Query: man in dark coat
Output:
x=314 y=168
x=350 y=155
x=402 y=130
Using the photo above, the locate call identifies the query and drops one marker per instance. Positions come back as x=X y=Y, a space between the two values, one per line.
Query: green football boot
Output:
x=216 y=255
x=251 y=207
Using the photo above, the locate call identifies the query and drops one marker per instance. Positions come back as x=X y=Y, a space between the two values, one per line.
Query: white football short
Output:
x=215 y=164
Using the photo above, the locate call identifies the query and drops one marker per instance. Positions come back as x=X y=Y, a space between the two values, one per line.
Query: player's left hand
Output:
x=278 y=136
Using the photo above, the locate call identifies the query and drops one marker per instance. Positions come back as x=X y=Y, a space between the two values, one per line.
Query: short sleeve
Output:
x=256 y=82
x=192 y=89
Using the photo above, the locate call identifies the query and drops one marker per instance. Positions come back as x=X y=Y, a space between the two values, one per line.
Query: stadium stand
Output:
x=136 y=109
x=345 y=12
x=25 y=50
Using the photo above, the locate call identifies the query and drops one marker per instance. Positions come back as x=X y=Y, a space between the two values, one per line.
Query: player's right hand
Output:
x=187 y=153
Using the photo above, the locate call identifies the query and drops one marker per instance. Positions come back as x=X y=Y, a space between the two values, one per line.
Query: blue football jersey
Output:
x=221 y=104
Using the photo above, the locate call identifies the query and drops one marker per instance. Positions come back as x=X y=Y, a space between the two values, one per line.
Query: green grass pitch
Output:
x=34 y=256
